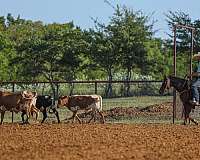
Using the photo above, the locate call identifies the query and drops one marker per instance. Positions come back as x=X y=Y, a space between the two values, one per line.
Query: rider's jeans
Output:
x=195 y=92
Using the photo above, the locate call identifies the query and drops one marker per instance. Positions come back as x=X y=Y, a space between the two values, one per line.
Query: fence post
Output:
x=13 y=90
x=57 y=90
x=95 y=85
x=13 y=86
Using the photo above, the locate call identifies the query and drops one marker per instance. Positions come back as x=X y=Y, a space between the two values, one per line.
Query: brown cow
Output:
x=21 y=101
x=89 y=103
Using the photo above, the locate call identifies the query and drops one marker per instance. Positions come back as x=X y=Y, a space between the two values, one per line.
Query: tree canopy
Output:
x=115 y=51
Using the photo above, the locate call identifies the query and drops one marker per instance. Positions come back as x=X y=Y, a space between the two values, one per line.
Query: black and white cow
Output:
x=44 y=102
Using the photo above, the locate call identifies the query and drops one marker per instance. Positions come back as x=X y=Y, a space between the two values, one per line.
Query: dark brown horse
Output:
x=182 y=86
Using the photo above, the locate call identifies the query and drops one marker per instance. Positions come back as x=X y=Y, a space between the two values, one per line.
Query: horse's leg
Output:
x=185 y=119
x=2 y=116
x=188 y=109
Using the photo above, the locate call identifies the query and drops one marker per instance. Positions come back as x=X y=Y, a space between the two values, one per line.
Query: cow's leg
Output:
x=102 y=116
x=2 y=116
x=27 y=118
x=36 y=111
x=44 y=112
x=193 y=120
x=32 y=114
x=78 y=119
x=56 y=113
x=28 y=113
x=23 y=113
x=93 y=115
x=74 y=116
x=36 y=115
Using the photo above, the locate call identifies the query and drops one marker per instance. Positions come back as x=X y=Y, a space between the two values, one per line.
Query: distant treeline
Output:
x=123 y=49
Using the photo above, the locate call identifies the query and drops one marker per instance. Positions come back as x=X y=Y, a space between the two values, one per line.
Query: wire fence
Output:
x=115 y=89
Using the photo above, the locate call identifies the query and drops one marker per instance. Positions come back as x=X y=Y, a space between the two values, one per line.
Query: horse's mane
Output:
x=175 y=77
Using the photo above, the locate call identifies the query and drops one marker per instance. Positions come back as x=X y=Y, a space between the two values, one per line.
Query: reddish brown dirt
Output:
x=156 y=109
x=99 y=141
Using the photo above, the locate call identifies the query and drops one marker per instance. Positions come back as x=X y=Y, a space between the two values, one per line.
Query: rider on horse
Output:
x=196 y=81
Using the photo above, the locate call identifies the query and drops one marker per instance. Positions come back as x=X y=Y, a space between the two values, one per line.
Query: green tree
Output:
x=183 y=38
x=6 y=53
x=72 y=59
x=159 y=58
x=104 y=54
x=130 y=31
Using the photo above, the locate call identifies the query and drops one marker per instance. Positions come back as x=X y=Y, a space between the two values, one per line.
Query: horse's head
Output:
x=165 y=85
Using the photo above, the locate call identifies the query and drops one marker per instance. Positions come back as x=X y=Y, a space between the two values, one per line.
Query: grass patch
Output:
x=140 y=101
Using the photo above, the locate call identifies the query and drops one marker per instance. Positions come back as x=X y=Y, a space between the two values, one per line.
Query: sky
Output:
x=81 y=11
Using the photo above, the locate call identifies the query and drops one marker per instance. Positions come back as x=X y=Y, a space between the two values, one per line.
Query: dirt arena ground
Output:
x=99 y=141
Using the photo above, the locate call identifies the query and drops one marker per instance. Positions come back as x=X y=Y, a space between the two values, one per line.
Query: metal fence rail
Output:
x=137 y=88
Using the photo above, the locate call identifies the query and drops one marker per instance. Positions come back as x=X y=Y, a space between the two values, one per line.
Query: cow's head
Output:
x=28 y=94
x=48 y=99
x=28 y=100
x=63 y=101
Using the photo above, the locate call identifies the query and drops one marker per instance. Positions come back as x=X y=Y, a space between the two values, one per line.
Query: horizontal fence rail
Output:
x=89 y=87
x=92 y=81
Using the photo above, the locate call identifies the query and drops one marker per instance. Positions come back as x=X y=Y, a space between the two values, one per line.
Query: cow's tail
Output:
x=101 y=103
x=101 y=109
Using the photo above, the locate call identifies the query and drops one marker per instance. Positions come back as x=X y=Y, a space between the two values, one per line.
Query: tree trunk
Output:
x=71 y=88
x=127 y=83
x=49 y=77
x=44 y=86
x=109 y=86
x=53 y=89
